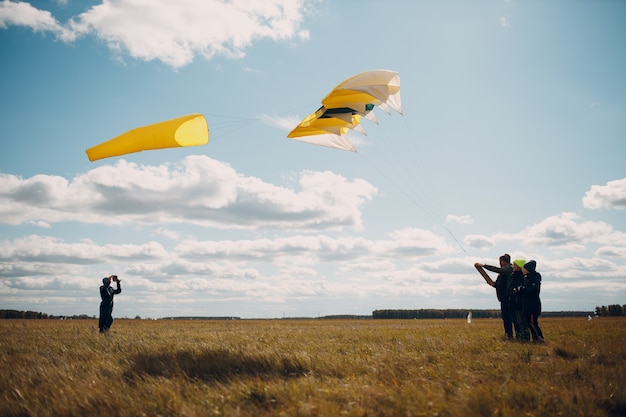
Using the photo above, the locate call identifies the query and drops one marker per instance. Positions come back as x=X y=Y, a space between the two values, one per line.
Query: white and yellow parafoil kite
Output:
x=344 y=107
x=189 y=130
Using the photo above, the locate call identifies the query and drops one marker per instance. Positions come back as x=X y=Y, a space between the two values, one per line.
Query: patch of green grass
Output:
x=310 y=368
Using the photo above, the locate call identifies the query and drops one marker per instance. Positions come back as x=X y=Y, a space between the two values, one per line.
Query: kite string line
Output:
x=411 y=143
x=406 y=162
x=437 y=202
x=397 y=159
x=434 y=210
x=232 y=124
x=406 y=192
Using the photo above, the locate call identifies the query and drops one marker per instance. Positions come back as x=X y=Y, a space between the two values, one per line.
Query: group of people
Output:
x=517 y=287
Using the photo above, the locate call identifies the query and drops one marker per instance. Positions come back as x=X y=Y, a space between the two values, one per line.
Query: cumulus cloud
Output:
x=45 y=249
x=479 y=241
x=198 y=190
x=465 y=219
x=579 y=268
x=201 y=270
x=24 y=14
x=197 y=274
x=311 y=250
x=171 y=32
x=222 y=258
x=563 y=232
x=566 y=231
x=417 y=242
x=612 y=252
x=609 y=196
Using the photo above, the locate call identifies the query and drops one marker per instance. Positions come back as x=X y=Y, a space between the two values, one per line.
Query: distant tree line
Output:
x=201 y=318
x=566 y=313
x=612 y=310
x=345 y=316
x=15 y=314
x=429 y=313
x=461 y=313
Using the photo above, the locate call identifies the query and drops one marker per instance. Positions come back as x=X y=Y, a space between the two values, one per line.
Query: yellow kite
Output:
x=189 y=130
x=344 y=107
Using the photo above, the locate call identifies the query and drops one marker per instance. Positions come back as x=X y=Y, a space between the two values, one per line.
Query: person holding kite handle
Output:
x=504 y=289
x=106 y=305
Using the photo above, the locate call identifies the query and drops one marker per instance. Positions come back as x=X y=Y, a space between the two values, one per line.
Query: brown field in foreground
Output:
x=311 y=368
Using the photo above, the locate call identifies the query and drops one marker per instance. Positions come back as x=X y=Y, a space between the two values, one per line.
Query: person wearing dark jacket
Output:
x=504 y=289
x=106 y=305
x=515 y=300
x=531 y=303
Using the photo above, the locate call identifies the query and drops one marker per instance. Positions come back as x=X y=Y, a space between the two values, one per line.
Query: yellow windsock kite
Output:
x=189 y=130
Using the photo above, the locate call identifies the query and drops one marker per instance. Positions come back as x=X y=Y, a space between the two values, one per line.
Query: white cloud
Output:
x=563 y=232
x=223 y=258
x=281 y=122
x=254 y=272
x=170 y=234
x=504 y=22
x=171 y=32
x=610 y=196
x=305 y=251
x=612 y=251
x=264 y=276
x=24 y=14
x=465 y=219
x=579 y=268
x=478 y=241
x=45 y=249
x=567 y=232
x=417 y=242
x=198 y=190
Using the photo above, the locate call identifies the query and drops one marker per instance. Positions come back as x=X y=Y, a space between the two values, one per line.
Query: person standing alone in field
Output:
x=106 y=305
x=504 y=290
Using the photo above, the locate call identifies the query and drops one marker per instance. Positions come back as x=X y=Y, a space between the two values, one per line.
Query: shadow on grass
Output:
x=215 y=365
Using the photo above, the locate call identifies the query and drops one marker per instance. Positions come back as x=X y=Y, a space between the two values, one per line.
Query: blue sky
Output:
x=512 y=139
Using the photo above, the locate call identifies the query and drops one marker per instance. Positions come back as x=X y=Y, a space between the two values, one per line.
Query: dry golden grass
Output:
x=311 y=368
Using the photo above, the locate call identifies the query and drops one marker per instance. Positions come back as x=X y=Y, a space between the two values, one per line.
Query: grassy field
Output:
x=311 y=368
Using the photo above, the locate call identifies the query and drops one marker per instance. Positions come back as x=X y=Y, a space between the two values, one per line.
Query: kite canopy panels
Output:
x=346 y=105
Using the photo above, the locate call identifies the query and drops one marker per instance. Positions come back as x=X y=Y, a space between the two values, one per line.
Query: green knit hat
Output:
x=519 y=262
